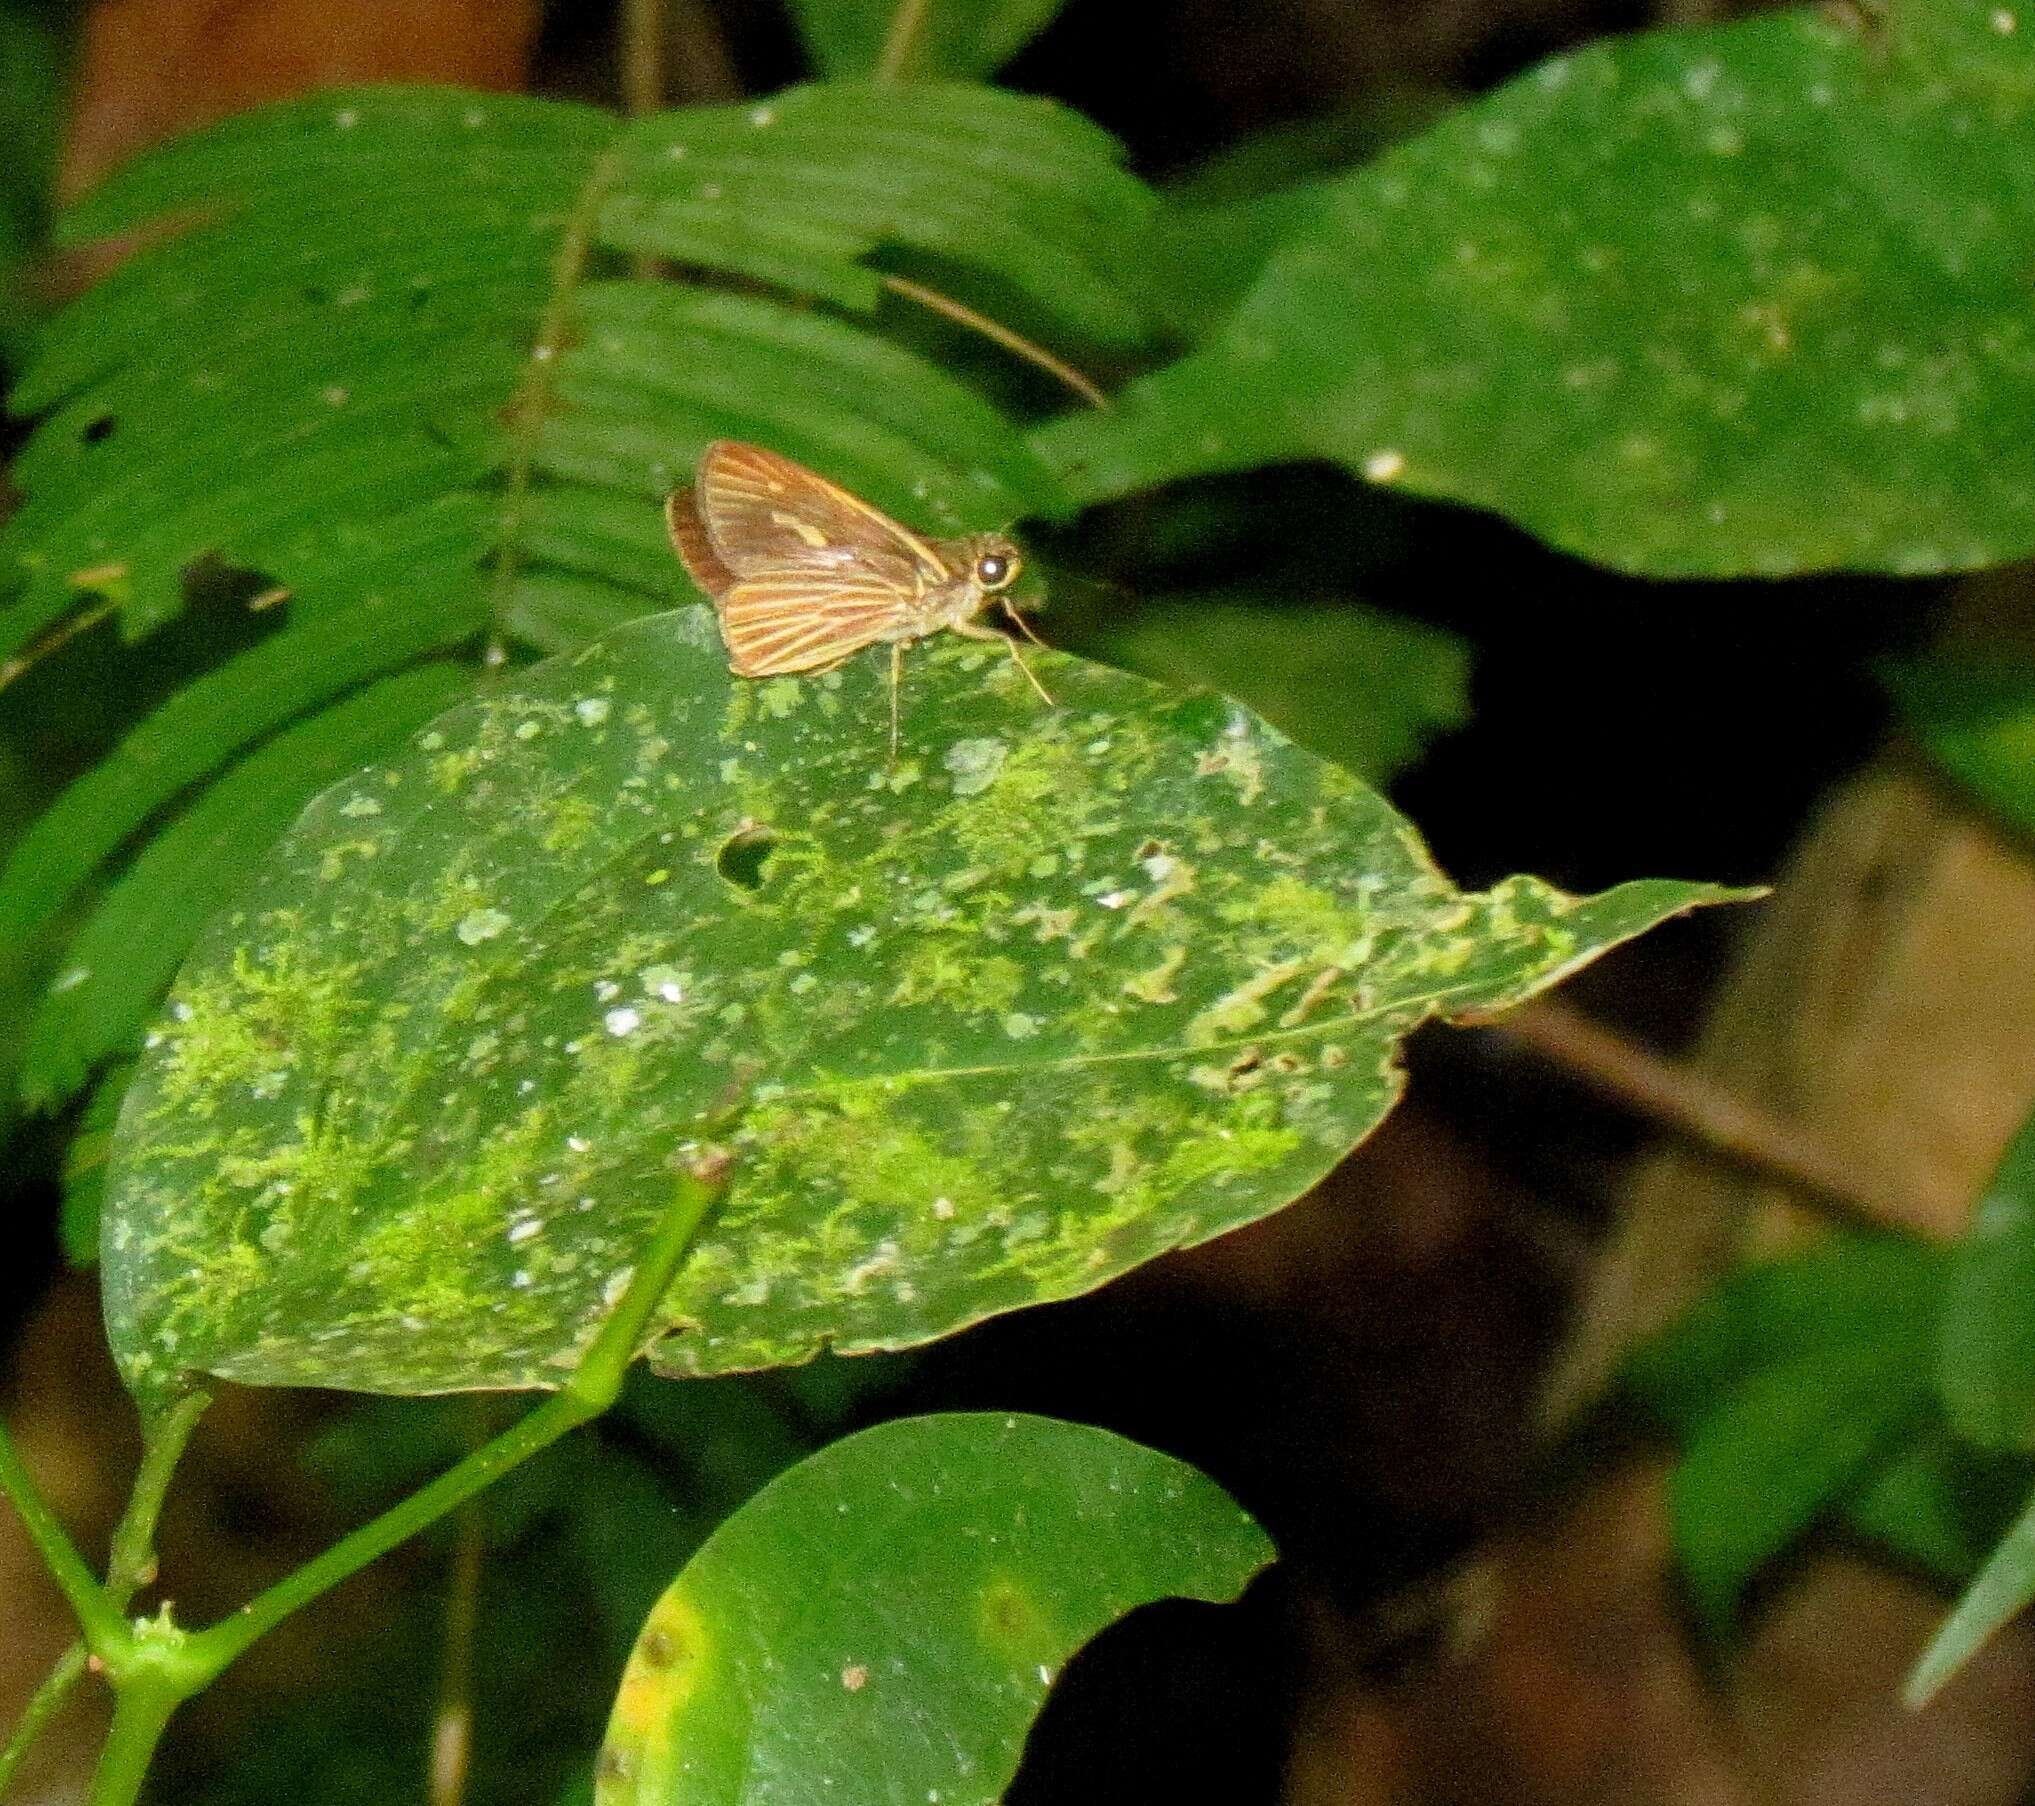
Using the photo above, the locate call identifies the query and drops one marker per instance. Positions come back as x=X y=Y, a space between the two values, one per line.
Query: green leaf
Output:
x=1749 y=300
x=882 y=1622
x=1939 y=1504
x=1368 y=689
x=1986 y=1361
x=1787 y=1390
x=1223 y=218
x=84 y=1195
x=1780 y=1452
x=1062 y=990
x=1776 y=1312
x=393 y=369
x=919 y=38
x=2004 y=1586
x=1976 y=718
x=31 y=113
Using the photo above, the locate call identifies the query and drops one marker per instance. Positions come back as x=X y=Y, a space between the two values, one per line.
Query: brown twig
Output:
x=642 y=57
x=452 y=1723
x=1702 y=1111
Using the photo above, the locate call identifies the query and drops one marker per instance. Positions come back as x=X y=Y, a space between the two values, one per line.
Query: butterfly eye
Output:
x=993 y=570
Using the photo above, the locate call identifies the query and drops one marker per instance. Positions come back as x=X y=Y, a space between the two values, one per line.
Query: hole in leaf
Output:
x=744 y=854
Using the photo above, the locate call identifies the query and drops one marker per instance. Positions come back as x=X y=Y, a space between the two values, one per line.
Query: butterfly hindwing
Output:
x=695 y=550
x=778 y=621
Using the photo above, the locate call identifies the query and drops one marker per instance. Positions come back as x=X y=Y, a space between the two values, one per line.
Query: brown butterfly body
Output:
x=804 y=574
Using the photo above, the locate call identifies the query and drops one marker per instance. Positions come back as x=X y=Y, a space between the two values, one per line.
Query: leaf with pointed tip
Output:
x=1064 y=989
x=881 y=1623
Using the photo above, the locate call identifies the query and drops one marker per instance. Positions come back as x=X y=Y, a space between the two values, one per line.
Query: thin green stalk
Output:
x=141 y=1707
x=42 y=1707
x=98 y=1617
x=130 y=1562
x=595 y=1384
x=130 y=1565
x=901 y=40
x=157 y=1665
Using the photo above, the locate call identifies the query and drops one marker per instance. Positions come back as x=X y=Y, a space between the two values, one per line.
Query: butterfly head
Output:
x=993 y=563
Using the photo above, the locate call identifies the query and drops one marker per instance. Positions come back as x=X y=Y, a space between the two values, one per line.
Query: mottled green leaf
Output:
x=1746 y=300
x=2005 y=1585
x=919 y=38
x=881 y=1623
x=1062 y=990
x=1365 y=688
x=1976 y=718
x=1986 y=1362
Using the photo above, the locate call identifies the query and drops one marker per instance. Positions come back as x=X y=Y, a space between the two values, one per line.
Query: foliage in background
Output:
x=411 y=394
x=31 y=80
x=1879 y=1386
x=1747 y=301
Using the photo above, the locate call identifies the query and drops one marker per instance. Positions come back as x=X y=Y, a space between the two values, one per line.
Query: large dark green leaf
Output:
x=1743 y=300
x=881 y=1623
x=1987 y=1357
x=1062 y=990
x=396 y=368
x=919 y=38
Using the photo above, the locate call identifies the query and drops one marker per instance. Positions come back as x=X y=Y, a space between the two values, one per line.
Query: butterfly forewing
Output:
x=764 y=514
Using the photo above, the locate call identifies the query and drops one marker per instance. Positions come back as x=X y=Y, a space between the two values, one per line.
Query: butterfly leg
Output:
x=896 y=684
x=974 y=630
x=1019 y=622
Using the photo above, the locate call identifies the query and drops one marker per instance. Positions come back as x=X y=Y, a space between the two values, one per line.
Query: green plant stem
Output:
x=98 y=1617
x=42 y=1707
x=130 y=1561
x=155 y=1667
x=901 y=39
x=141 y=1707
x=595 y=1384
